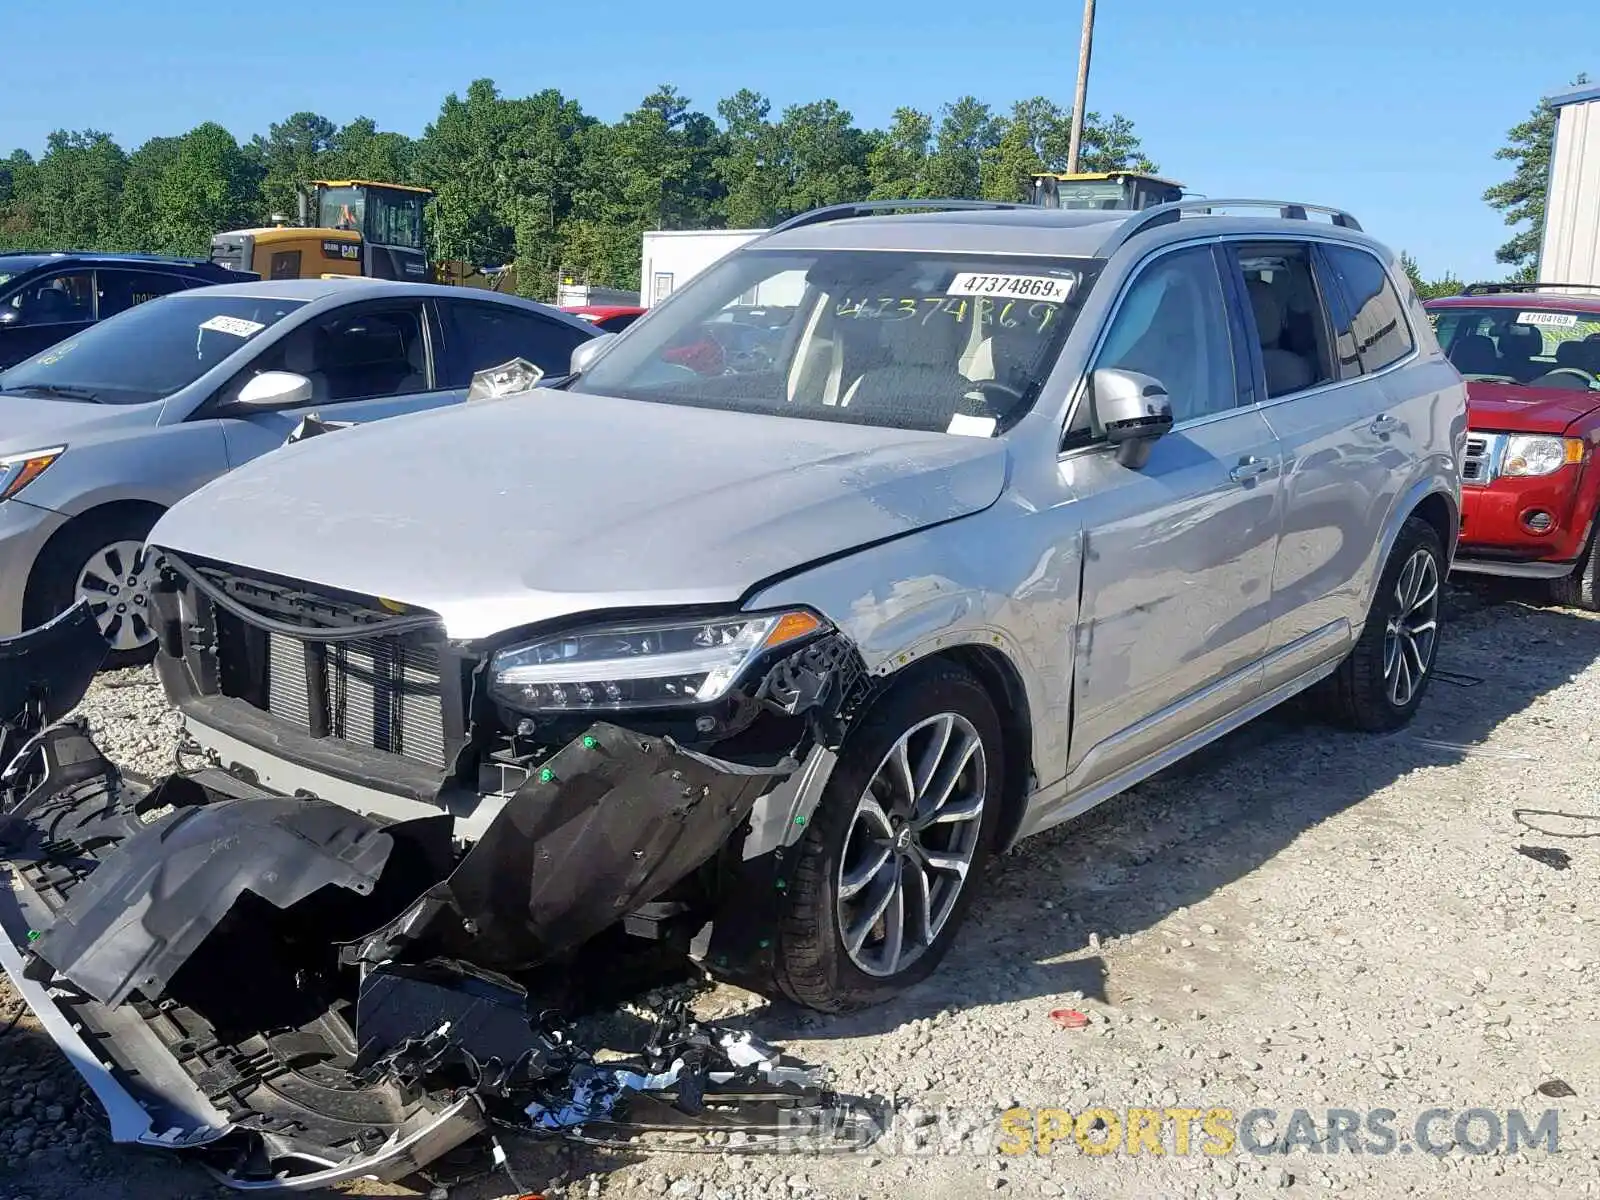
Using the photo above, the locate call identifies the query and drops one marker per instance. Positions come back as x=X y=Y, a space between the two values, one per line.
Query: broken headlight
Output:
x=655 y=664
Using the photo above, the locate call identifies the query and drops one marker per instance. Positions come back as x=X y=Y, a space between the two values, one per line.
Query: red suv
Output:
x=1530 y=354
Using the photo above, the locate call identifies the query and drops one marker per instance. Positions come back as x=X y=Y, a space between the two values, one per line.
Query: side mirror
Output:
x=271 y=390
x=1133 y=409
x=9 y=316
x=583 y=357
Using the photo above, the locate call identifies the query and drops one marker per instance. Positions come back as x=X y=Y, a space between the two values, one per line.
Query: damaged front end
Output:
x=300 y=993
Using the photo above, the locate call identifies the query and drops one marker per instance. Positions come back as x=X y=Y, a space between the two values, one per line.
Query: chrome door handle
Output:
x=1382 y=425
x=1250 y=468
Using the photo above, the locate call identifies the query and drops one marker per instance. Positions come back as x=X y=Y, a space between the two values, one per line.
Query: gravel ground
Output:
x=1297 y=919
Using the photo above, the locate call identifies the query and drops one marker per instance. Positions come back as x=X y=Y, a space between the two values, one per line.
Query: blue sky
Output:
x=1390 y=109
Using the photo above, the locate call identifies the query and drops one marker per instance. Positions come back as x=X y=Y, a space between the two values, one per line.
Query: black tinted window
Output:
x=486 y=335
x=121 y=290
x=1378 y=325
x=63 y=299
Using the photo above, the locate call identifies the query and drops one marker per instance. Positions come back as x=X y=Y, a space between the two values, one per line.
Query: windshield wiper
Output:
x=54 y=389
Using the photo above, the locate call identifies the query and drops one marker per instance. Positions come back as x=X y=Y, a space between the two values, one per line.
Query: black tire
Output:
x=1580 y=589
x=52 y=586
x=813 y=966
x=1359 y=694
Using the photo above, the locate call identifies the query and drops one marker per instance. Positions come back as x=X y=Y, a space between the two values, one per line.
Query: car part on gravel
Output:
x=299 y=995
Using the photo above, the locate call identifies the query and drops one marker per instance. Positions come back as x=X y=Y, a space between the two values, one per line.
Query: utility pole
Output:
x=1082 y=98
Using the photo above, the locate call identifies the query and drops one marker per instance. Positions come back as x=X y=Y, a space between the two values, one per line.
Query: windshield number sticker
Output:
x=237 y=326
x=1017 y=287
x=969 y=426
x=1552 y=320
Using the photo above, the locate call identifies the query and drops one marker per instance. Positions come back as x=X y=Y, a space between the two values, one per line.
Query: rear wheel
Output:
x=888 y=869
x=101 y=561
x=1380 y=686
x=1580 y=589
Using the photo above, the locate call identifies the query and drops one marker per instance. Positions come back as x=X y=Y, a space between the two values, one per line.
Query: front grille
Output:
x=380 y=692
x=1482 y=458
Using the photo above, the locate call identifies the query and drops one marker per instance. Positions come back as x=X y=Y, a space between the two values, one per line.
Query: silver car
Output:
x=756 y=657
x=1074 y=493
x=103 y=432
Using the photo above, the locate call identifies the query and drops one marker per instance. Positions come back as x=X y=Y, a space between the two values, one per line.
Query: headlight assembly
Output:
x=17 y=471
x=1539 y=454
x=646 y=664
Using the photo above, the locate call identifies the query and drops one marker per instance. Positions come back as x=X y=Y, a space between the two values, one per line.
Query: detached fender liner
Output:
x=145 y=910
x=611 y=821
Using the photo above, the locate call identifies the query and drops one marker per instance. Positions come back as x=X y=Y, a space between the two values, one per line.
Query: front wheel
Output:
x=101 y=561
x=1380 y=686
x=1581 y=588
x=888 y=869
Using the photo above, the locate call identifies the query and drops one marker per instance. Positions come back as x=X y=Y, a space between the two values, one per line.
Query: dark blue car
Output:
x=47 y=297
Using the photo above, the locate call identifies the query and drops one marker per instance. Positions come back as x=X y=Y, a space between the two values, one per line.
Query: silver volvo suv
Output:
x=999 y=511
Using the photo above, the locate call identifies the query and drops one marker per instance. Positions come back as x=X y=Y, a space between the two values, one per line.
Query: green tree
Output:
x=1449 y=285
x=360 y=151
x=825 y=155
x=967 y=134
x=18 y=201
x=897 y=164
x=1521 y=198
x=291 y=154
x=751 y=168
x=78 y=188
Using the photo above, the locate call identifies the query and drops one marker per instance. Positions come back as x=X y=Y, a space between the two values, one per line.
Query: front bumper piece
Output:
x=299 y=995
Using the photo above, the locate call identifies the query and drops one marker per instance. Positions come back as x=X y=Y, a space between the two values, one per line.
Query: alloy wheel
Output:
x=116 y=584
x=1412 y=628
x=910 y=844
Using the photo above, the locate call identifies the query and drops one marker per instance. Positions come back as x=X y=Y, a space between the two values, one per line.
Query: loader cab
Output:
x=1104 y=190
x=387 y=218
x=345 y=227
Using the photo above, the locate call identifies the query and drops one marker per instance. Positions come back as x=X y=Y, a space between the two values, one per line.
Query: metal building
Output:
x=1570 y=249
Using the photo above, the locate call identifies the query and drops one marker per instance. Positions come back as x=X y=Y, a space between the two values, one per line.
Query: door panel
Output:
x=1340 y=479
x=1178 y=555
x=1176 y=589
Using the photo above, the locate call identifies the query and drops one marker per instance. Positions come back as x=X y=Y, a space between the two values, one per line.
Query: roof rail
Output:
x=1492 y=289
x=1167 y=214
x=862 y=208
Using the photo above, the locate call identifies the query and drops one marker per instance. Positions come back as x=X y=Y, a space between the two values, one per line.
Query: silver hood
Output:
x=509 y=512
x=33 y=422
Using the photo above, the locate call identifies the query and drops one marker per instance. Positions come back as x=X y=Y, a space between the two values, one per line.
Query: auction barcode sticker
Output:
x=1052 y=288
x=237 y=326
x=1552 y=319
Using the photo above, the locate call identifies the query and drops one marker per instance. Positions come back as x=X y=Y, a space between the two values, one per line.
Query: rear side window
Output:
x=1378 y=332
x=1287 y=316
x=487 y=335
x=121 y=290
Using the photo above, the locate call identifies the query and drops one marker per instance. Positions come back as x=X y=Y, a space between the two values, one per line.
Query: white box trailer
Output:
x=672 y=257
x=1569 y=250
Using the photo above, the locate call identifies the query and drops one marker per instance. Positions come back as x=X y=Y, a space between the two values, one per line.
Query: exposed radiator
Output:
x=380 y=692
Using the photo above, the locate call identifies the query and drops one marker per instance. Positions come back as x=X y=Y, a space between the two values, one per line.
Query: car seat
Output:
x=1475 y=355
x=300 y=357
x=1286 y=371
x=1518 y=345
x=919 y=387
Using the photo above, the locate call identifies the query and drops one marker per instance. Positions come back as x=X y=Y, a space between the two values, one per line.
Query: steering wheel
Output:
x=999 y=396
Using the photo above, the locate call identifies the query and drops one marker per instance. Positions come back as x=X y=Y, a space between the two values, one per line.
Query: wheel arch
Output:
x=1433 y=504
x=110 y=510
x=1001 y=679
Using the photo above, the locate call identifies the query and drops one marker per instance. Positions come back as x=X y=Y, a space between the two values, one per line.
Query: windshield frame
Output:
x=721 y=287
x=126 y=326
x=1451 y=321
